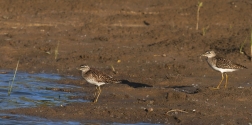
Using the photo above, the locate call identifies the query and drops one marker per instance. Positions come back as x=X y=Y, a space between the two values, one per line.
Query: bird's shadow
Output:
x=134 y=84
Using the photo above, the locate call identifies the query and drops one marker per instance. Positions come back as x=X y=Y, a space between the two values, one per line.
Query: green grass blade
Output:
x=56 y=51
x=9 y=91
x=251 y=45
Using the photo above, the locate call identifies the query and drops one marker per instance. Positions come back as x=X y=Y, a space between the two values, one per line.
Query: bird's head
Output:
x=84 y=68
x=209 y=54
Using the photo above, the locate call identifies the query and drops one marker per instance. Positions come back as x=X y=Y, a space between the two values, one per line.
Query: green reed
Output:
x=10 y=84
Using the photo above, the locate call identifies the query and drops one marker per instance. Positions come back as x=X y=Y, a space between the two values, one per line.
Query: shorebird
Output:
x=222 y=65
x=97 y=78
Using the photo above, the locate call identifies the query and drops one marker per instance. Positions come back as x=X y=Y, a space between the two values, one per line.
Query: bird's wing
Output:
x=102 y=77
x=227 y=64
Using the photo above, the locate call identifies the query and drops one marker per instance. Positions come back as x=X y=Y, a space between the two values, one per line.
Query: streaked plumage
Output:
x=96 y=77
x=222 y=65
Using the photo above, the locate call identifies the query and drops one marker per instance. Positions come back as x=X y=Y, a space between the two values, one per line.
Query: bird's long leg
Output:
x=95 y=91
x=98 y=94
x=226 y=80
x=218 y=87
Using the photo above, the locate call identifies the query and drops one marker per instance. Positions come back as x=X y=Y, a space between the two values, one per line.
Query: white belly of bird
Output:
x=224 y=70
x=95 y=82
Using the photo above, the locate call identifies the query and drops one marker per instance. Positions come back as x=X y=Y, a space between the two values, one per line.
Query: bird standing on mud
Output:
x=222 y=65
x=97 y=78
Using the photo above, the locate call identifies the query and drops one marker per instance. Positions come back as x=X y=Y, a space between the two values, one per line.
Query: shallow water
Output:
x=29 y=90
x=10 y=119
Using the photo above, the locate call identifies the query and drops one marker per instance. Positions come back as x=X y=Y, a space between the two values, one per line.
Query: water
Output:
x=31 y=90
x=10 y=119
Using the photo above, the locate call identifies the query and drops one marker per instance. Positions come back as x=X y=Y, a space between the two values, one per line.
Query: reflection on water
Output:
x=31 y=90
x=10 y=119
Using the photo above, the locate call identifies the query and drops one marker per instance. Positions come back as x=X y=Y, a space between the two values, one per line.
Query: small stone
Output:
x=149 y=109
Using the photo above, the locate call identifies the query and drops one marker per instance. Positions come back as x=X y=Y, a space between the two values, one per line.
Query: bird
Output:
x=96 y=77
x=222 y=65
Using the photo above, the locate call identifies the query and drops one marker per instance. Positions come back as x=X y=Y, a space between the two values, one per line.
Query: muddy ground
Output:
x=153 y=45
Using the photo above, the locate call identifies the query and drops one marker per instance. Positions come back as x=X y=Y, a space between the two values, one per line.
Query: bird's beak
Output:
x=201 y=55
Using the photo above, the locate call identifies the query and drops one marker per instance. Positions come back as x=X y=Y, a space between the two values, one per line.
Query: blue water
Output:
x=29 y=90
x=10 y=119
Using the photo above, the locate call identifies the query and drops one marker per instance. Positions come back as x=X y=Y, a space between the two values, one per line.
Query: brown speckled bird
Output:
x=97 y=78
x=222 y=65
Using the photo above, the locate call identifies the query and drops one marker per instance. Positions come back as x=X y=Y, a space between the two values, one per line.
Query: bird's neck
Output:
x=211 y=61
x=85 y=71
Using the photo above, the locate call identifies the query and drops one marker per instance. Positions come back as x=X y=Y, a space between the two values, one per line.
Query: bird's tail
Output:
x=238 y=66
x=116 y=81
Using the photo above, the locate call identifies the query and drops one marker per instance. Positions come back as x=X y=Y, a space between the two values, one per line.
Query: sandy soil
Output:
x=153 y=44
